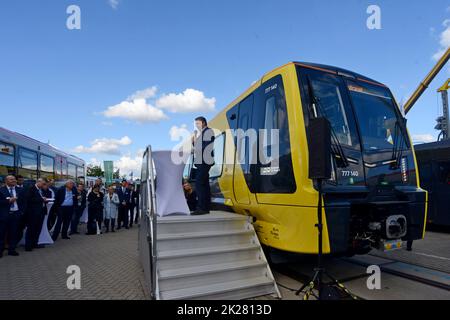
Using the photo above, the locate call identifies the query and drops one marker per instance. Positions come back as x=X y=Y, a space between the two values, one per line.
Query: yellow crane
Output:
x=426 y=82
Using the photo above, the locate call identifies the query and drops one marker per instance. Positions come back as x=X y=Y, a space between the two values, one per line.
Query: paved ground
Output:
x=109 y=266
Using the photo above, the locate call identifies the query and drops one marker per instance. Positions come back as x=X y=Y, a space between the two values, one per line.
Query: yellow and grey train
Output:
x=373 y=198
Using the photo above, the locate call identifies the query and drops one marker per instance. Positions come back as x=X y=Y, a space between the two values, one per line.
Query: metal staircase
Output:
x=215 y=256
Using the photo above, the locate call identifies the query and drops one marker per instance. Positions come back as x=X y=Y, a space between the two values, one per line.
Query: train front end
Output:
x=373 y=199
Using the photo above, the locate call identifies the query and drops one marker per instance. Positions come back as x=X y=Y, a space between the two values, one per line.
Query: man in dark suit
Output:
x=203 y=160
x=131 y=203
x=34 y=214
x=124 y=194
x=66 y=200
x=12 y=205
x=79 y=209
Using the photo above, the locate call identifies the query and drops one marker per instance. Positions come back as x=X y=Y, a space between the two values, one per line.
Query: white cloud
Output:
x=94 y=162
x=190 y=100
x=144 y=94
x=138 y=110
x=113 y=3
x=423 y=138
x=127 y=164
x=179 y=133
x=104 y=146
x=444 y=40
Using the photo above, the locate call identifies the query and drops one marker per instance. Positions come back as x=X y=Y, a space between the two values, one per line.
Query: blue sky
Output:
x=56 y=84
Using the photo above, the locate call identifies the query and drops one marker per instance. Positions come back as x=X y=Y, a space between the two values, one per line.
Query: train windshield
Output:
x=377 y=117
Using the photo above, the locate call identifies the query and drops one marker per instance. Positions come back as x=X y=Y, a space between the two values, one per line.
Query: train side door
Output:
x=242 y=175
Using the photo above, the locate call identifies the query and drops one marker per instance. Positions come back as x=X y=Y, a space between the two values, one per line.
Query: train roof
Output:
x=12 y=137
x=337 y=70
x=439 y=150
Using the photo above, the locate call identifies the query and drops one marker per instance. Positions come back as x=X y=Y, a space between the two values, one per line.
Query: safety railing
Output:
x=147 y=230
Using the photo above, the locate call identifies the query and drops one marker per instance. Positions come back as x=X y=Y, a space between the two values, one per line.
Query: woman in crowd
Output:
x=191 y=196
x=111 y=202
x=95 y=210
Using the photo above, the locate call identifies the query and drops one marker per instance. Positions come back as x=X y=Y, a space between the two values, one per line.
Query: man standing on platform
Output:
x=11 y=209
x=35 y=211
x=65 y=203
x=203 y=160
x=124 y=194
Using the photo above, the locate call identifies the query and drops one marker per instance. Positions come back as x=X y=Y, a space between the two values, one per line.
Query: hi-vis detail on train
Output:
x=374 y=194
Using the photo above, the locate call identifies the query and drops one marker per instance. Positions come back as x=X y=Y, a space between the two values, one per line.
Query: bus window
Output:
x=80 y=173
x=47 y=167
x=6 y=161
x=28 y=164
x=61 y=168
x=72 y=171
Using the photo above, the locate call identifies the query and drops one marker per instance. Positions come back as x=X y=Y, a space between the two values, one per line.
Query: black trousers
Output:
x=78 y=212
x=93 y=213
x=34 y=222
x=202 y=187
x=64 y=218
x=131 y=211
x=122 y=220
x=9 y=228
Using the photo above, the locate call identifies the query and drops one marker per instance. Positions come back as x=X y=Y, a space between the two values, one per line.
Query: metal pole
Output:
x=445 y=114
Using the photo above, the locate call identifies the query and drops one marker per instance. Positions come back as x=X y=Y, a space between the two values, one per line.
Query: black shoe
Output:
x=40 y=246
x=127 y=228
x=113 y=230
x=1 y=254
x=66 y=238
x=28 y=249
x=13 y=253
x=199 y=212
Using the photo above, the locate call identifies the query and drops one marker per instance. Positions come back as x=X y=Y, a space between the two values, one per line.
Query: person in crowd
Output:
x=111 y=204
x=95 y=209
x=12 y=207
x=36 y=208
x=136 y=218
x=66 y=201
x=79 y=209
x=124 y=194
x=191 y=195
x=20 y=180
x=203 y=160
x=131 y=203
x=51 y=192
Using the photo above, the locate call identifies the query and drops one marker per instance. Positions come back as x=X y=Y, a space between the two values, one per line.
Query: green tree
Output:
x=116 y=174
x=94 y=171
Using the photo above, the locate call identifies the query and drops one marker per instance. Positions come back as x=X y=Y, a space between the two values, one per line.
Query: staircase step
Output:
x=204 y=251
x=177 y=259
x=208 y=291
x=178 y=227
x=202 y=234
x=205 y=269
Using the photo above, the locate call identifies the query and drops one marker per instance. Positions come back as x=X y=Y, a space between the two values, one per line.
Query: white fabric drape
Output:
x=170 y=197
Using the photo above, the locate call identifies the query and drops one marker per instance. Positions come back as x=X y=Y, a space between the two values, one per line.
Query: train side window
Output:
x=47 y=167
x=219 y=145
x=444 y=173
x=276 y=178
x=28 y=164
x=7 y=154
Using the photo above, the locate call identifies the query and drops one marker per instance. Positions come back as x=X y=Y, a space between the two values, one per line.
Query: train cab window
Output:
x=6 y=160
x=277 y=175
x=71 y=171
x=47 y=167
x=28 y=164
x=219 y=144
